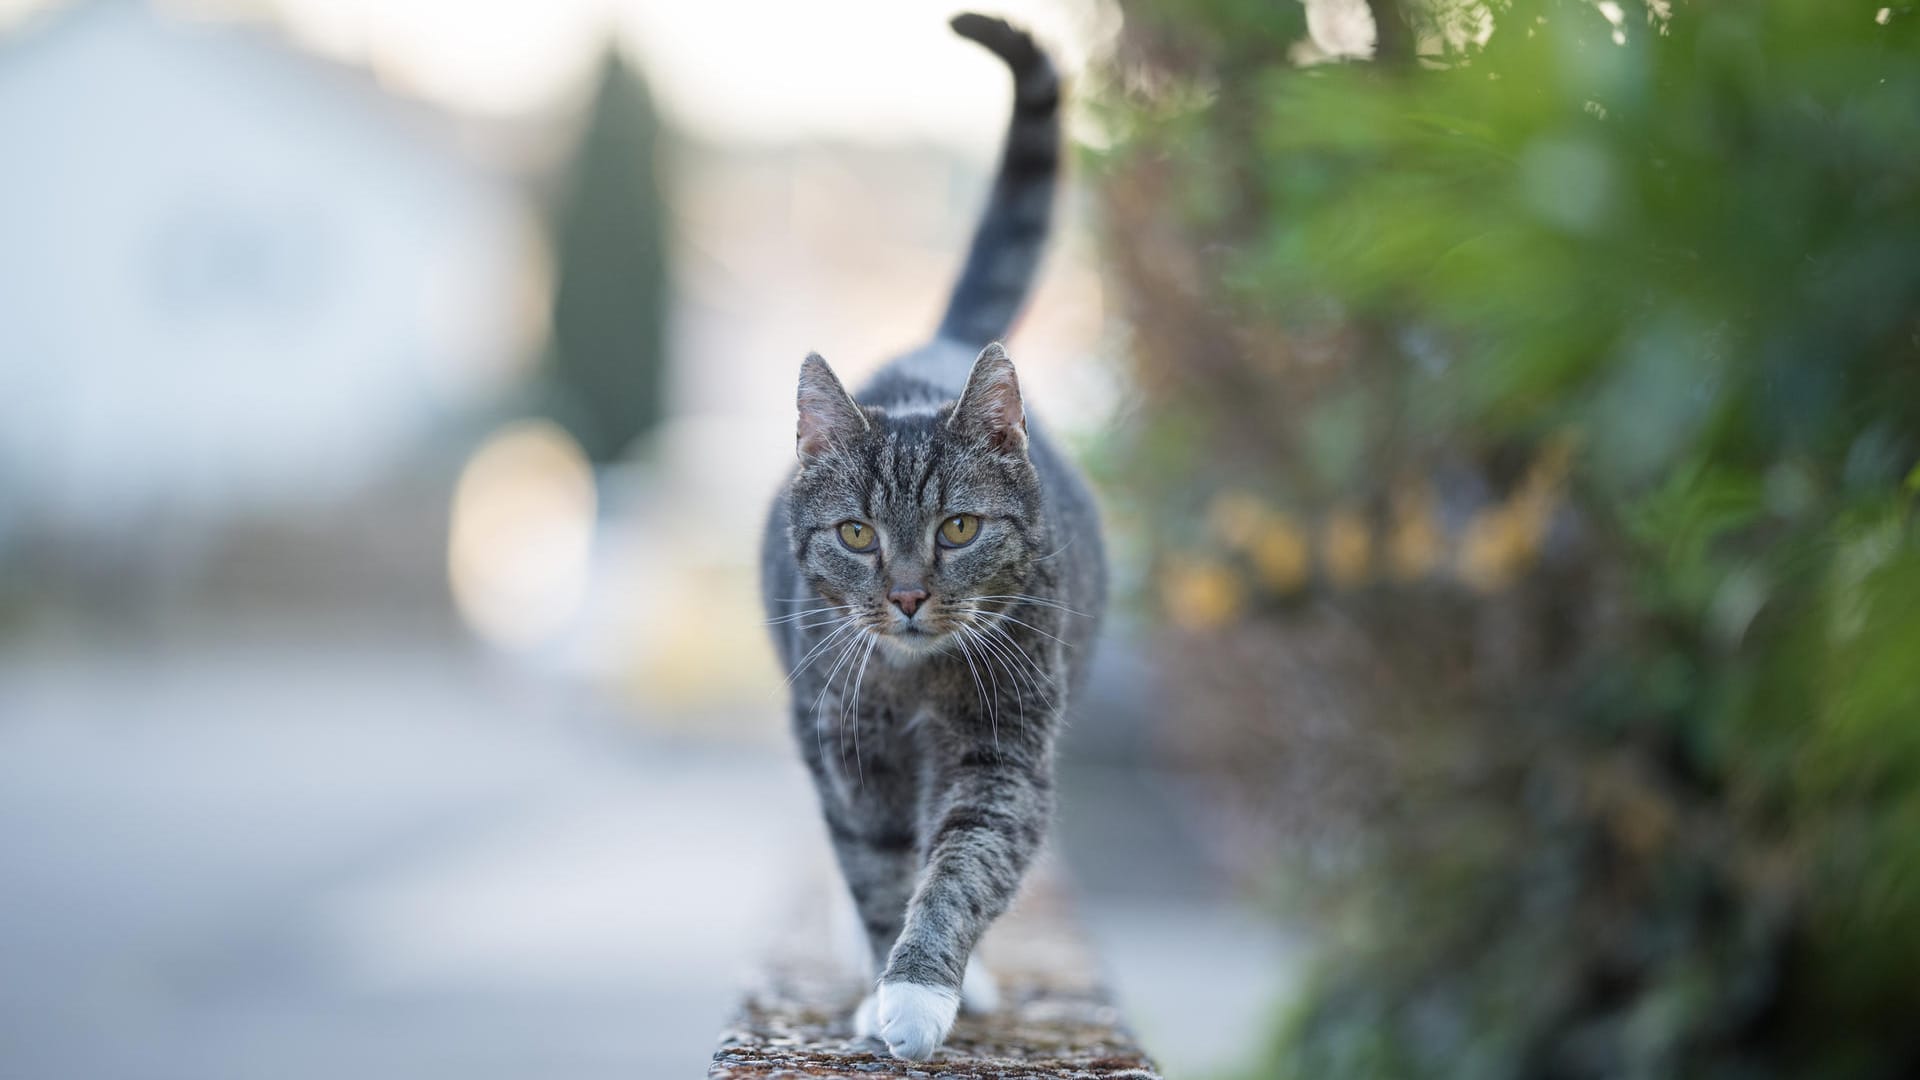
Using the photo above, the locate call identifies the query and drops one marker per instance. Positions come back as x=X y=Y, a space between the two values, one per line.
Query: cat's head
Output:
x=913 y=522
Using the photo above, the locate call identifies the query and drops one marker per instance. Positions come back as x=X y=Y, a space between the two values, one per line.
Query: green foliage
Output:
x=607 y=360
x=1689 y=243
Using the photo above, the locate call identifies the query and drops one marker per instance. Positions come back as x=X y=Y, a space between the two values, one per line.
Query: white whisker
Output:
x=829 y=621
x=1021 y=622
x=841 y=660
x=1011 y=643
x=1041 y=600
x=1022 y=683
x=1033 y=673
x=854 y=708
x=792 y=616
x=979 y=689
x=814 y=653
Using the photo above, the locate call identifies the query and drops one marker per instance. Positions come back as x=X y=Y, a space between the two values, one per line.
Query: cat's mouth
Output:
x=916 y=637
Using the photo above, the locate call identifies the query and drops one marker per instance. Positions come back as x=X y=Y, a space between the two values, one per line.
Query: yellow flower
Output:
x=1503 y=541
x=1200 y=593
x=1417 y=542
x=1279 y=555
x=1237 y=518
x=1499 y=545
x=1346 y=549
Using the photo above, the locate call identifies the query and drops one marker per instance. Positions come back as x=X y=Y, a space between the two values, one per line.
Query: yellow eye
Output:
x=857 y=535
x=959 y=530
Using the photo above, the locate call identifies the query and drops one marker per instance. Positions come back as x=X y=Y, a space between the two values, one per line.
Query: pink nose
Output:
x=907 y=598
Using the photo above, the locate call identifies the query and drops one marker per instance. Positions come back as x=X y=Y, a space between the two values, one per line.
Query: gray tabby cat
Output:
x=934 y=574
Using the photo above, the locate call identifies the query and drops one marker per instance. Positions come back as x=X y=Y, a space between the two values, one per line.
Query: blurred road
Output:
x=299 y=858
x=245 y=851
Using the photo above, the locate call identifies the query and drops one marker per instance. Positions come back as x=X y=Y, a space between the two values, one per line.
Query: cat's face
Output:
x=912 y=524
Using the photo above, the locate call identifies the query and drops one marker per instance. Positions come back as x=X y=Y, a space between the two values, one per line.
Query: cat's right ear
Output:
x=990 y=405
x=828 y=414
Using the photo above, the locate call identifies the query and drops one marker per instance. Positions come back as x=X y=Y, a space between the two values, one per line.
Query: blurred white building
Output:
x=234 y=278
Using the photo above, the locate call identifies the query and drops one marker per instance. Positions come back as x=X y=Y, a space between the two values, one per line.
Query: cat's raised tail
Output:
x=1006 y=246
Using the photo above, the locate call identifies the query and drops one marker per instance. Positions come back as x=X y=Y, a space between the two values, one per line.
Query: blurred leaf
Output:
x=1685 y=232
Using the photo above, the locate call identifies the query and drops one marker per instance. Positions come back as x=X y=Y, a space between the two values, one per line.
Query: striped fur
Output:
x=1006 y=248
x=930 y=738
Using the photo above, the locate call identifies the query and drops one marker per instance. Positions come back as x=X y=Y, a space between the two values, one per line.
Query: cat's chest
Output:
x=879 y=750
x=907 y=703
x=897 y=710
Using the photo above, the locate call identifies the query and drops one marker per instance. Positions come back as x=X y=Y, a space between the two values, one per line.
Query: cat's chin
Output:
x=912 y=644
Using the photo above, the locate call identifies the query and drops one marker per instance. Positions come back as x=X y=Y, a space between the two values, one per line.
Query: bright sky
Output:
x=753 y=69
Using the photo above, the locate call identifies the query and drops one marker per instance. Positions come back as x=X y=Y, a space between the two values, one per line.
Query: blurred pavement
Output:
x=295 y=857
x=239 y=850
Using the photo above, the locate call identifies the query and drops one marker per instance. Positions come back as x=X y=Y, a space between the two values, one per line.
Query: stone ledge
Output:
x=1056 y=1019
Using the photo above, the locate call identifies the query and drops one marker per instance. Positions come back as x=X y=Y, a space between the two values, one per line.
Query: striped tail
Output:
x=1006 y=246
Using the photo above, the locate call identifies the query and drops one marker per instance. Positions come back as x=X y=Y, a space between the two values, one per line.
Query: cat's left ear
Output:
x=828 y=414
x=990 y=406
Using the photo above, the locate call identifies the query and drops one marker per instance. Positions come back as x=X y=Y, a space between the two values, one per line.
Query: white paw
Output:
x=866 y=1018
x=914 y=1018
x=979 y=994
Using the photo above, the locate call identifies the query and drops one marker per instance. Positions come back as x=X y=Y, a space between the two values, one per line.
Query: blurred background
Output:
x=1507 y=414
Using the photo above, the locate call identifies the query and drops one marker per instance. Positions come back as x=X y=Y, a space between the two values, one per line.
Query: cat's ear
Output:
x=828 y=414
x=990 y=406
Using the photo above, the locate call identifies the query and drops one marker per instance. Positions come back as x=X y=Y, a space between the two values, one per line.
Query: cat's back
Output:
x=921 y=380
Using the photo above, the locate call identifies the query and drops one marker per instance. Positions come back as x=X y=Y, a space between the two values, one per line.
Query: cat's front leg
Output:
x=878 y=865
x=875 y=845
x=988 y=823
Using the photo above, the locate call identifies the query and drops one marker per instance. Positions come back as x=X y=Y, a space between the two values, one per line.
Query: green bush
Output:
x=1626 y=311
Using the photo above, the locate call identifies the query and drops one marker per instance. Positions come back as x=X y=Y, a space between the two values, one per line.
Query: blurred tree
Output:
x=1589 y=333
x=608 y=356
